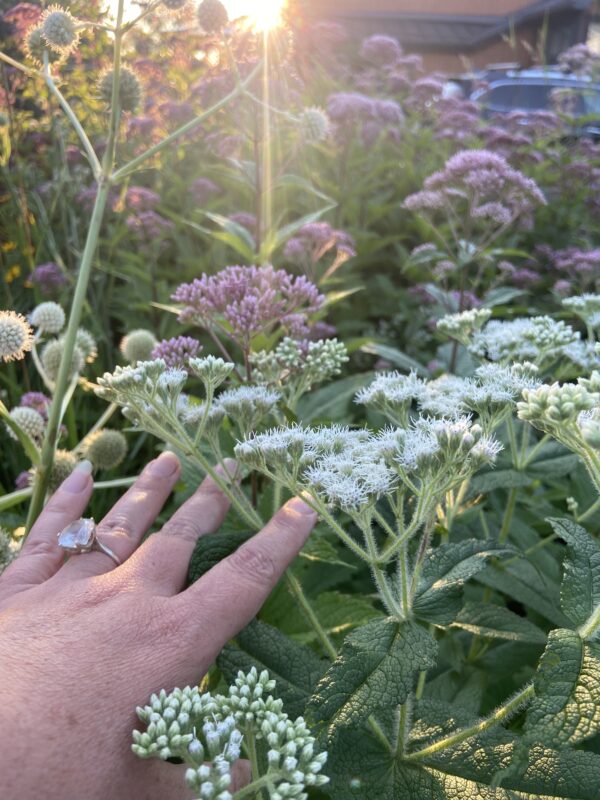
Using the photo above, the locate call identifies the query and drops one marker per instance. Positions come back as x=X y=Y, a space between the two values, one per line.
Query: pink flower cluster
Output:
x=242 y=302
x=492 y=190
x=315 y=239
x=382 y=51
x=176 y=352
x=371 y=116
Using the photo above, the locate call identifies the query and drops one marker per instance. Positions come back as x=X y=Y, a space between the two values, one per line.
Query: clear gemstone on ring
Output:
x=78 y=537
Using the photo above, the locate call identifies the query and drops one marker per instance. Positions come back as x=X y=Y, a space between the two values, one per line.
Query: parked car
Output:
x=504 y=88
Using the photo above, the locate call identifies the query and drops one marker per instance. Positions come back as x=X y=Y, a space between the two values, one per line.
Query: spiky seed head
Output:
x=64 y=464
x=48 y=317
x=16 y=336
x=212 y=15
x=36 y=46
x=52 y=356
x=105 y=449
x=138 y=345
x=130 y=90
x=87 y=344
x=59 y=29
x=30 y=420
x=314 y=125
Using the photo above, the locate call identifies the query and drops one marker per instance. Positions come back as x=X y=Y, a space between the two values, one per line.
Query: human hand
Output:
x=82 y=643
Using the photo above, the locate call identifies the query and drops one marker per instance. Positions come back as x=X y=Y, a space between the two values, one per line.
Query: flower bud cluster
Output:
x=586 y=307
x=295 y=367
x=208 y=732
x=247 y=406
x=569 y=412
x=462 y=326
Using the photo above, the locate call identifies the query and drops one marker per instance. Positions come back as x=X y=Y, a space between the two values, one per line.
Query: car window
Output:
x=540 y=97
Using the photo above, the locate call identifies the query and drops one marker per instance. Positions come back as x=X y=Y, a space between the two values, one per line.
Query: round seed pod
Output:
x=138 y=345
x=130 y=91
x=30 y=420
x=52 y=356
x=64 y=464
x=212 y=16
x=314 y=125
x=105 y=449
x=36 y=46
x=59 y=29
x=48 y=317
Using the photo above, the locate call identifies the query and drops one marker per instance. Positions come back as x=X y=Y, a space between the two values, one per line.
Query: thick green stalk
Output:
x=296 y=589
x=500 y=714
x=85 y=269
x=508 y=515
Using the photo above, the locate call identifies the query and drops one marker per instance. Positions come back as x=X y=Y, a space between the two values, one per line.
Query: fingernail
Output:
x=297 y=504
x=229 y=469
x=165 y=465
x=79 y=478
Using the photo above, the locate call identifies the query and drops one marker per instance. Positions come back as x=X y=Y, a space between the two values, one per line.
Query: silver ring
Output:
x=81 y=536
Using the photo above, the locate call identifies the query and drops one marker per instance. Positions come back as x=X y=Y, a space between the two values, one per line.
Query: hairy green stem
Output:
x=296 y=589
x=508 y=515
x=500 y=714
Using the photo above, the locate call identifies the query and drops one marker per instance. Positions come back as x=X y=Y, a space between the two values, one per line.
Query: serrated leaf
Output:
x=209 y=550
x=566 y=707
x=295 y=667
x=338 y=612
x=361 y=767
x=580 y=588
x=447 y=568
x=376 y=668
x=318 y=548
x=498 y=479
x=497 y=622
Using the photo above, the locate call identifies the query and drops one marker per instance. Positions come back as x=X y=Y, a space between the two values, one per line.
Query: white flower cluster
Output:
x=536 y=339
x=207 y=732
x=247 y=406
x=490 y=393
x=295 y=367
x=351 y=469
x=586 y=307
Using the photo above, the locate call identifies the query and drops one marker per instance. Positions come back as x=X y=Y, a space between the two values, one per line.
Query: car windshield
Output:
x=542 y=97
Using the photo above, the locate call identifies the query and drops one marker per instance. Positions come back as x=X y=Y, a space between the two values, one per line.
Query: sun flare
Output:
x=263 y=14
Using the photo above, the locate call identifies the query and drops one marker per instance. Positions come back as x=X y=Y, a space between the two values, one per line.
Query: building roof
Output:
x=452 y=32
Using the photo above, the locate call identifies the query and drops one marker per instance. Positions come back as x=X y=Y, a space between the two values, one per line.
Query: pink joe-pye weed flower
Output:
x=241 y=302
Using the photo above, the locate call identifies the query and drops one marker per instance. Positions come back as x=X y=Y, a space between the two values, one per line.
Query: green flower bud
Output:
x=48 y=317
x=130 y=91
x=59 y=29
x=138 y=345
x=105 y=449
x=36 y=46
x=52 y=356
x=212 y=16
x=30 y=421
x=314 y=125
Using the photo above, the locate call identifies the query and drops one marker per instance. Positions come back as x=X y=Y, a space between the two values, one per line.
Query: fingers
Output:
x=123 y=527
x=163 y=559
x=40 y=556
x=232 y=593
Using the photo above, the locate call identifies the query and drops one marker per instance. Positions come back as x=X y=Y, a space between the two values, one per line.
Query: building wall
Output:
x=467 y=7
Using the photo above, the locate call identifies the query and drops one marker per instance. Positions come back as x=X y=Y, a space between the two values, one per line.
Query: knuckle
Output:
x=254 y=562
x=116 y=522
x=183 y=528
x=39 y=547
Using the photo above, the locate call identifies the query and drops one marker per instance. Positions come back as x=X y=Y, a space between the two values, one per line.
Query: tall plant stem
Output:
x=500 y=714
x=296 y=589
x=508 y=515
x=85 y=269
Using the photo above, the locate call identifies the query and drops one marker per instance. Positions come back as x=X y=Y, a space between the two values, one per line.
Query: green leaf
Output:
x=333 y=400
x=580 y=589
x=497 y=622
x=338 y=613
x=318 y=548
x=210 y=550
x=566 y=707
x=295 y=667
x=522 y=582
x=486 y=482
x=27 y=443
x=395 y=356
x=361 y=767
x=376 y=669
x=447 y=568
